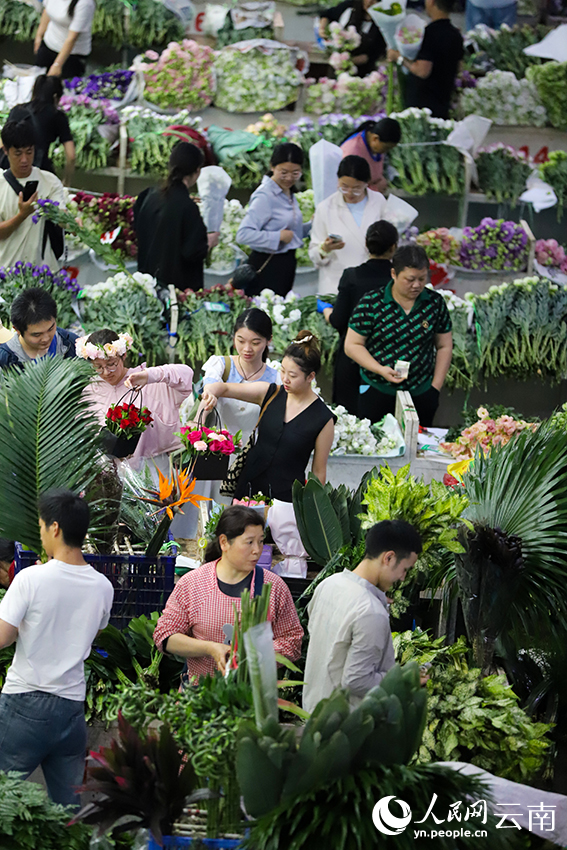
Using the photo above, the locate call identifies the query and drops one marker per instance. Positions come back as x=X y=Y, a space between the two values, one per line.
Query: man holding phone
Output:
x=20 y=187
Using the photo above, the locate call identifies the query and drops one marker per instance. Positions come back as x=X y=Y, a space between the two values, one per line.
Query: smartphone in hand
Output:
x=30 y=189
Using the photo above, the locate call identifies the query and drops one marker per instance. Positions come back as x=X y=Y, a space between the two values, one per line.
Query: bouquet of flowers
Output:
x=267 y=126
x=86 y=118
x=494 y=244
x=549 y=253
x=504 y=99
x=203 y=442
x=256 y=75
x=462 y=373
x=149 y=148
x=223 y=257
x=487 y=432
x=440 y=245
x=554 y=172
x=387 y=15
x=502 y=172
x=60 y=285
x=409 y=36
x=353 y=95
x=306 y=203
x=290 y=314
x=106 y=213
x=430 y=168
x=181 y=76
x=355 y=436
x=127 y=420
x=342 y=43
x=110 y=85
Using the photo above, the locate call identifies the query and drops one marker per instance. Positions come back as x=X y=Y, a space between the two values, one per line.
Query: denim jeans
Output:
x=43 y=729
x=493 y=18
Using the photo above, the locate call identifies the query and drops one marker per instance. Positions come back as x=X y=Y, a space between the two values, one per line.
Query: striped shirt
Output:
x=391 y=334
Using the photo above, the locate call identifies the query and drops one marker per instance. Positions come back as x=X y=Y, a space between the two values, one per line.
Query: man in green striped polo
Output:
x=403 y=322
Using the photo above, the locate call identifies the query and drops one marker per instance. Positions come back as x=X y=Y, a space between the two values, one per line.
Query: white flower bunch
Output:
x=254 y=81
x=504 y=99
x=352 y=435
x=122 y=280
x=453 y=303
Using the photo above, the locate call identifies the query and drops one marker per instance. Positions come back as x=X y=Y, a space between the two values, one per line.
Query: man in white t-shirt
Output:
x=53 y=611
x=22 y=237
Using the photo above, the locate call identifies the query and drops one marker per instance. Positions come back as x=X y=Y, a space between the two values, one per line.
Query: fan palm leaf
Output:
x=521 y=489
x=48 y=438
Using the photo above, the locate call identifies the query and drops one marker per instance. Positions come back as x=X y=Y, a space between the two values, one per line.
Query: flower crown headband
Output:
x=93 y=351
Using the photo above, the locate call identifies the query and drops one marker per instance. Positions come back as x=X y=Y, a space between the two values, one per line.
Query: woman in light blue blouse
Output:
x=273 y=226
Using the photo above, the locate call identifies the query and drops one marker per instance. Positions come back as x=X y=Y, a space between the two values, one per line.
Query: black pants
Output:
x=278 y=274
x=346 y=380
x=74 y=66
x=374 y=405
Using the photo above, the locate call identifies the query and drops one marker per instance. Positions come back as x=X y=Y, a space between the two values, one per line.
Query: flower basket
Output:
x=118 y=445
x=207 y=451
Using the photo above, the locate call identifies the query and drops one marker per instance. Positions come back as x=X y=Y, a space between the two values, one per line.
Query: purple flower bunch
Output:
x=101 y=111
x=25 y=275
x=495 y=244
x=465 y=80
x=43 y=202
x=110 y=85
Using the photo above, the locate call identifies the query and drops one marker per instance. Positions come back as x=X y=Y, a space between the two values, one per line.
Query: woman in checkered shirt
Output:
x=199 y=617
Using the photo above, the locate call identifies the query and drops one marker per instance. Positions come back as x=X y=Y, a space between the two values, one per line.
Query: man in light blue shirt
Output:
x=350 y=642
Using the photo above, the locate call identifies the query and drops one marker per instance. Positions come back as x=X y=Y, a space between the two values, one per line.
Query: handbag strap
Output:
x=265 y=406
x=202 y=419
x=134 y=394
x=227 y=367
x=258 y=581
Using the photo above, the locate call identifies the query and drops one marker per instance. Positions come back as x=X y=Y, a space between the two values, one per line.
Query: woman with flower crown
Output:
x=165 y=388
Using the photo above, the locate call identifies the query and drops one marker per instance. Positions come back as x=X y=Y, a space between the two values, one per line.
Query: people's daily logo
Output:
x=387 y=822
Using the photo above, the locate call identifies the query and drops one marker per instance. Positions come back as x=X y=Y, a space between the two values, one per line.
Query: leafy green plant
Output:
x=554 y=172
x=141 y=780
x=471 y=718
x=505 y=49
x=29 y=820
x=48 y=438
x=551 y=83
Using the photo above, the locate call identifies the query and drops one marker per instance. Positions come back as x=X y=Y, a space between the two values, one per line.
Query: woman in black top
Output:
x=50 y=124
x=295 y=423
x=354 y=13
x=381 y=241
x=172 y=238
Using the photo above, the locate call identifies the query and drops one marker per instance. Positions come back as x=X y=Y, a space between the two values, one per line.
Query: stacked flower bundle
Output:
x=440 y=245
x=342 y=44
x=355 y=95
x=182 y=76
x=495 y=244
x=105 y=214
x=487 y=432
x=61 y=285
x=149 y=149
x=111 y=85
x=504 y=99
x=502 y=172
x=552 y=255
x=255 y=78
x=86 y=116
x=267 y=126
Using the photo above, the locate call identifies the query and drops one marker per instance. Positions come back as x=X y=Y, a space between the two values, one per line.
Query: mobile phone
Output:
x=30 y=189
x=335 y=237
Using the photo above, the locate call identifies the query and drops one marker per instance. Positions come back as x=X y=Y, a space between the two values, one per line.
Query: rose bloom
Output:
x=194 y=436
x=200 y=446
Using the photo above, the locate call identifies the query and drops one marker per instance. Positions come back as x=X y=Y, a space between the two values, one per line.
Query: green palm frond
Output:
x=48 y=439
x=521 y=489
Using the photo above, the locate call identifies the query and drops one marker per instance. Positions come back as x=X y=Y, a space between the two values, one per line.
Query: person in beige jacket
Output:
x=338 y=236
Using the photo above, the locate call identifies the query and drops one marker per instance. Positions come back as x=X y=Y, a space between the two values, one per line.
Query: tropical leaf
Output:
x=48 y=439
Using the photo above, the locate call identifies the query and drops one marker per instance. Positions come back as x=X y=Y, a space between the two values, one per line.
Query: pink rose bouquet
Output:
x=486 y=433
x=204 y=442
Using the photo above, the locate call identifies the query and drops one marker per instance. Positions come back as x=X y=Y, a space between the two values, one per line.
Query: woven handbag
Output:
x=228 y=486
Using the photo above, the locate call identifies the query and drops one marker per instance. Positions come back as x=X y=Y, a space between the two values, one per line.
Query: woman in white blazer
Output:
x=338 y=237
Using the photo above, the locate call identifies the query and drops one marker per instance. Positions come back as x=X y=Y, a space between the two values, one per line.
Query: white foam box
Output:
x=409 y=422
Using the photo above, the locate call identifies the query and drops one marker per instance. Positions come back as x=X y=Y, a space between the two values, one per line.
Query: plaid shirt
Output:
x=198 y=608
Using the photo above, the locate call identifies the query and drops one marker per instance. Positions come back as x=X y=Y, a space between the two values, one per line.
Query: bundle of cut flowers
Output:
x=204 y=330
x=252 y=77
x=554 y=172
x=357 y=436
x=306 y=203
x=487 y=432
x=86 y=116
x=549 y=253
x=111 y=85
x=127 y=420
x=503 y=49
x=410 y=34
x=267 y=126
x=550 y=80
x=504 y=99
x=495 y=244
x=63 y=288
x=426 y=165
x=106 y=213
x=18 y=21
x=223 y=257
x=208 y=441
x=502 y=172
x=440 y=245
x=353 y=95
x=342 y=43
x=182 y=76
x=67 y=220
x=149 y=149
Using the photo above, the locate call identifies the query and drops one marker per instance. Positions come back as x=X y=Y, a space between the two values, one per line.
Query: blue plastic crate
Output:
x=141 y=584
x=176 y=842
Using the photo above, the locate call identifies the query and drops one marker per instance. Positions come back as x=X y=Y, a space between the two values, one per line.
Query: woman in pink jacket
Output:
x=165 y=388
x=371 y=141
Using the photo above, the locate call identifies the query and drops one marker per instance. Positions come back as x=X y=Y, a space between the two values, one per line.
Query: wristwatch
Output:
x=400 y=60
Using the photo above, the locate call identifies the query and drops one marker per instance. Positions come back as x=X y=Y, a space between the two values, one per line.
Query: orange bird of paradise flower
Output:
x=173 y=492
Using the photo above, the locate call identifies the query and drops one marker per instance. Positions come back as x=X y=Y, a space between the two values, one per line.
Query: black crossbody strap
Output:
x=11 y=181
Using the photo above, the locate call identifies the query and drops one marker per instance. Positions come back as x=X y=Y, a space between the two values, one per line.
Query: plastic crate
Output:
x=296 y=585
x=176 y=842
x=141 y=584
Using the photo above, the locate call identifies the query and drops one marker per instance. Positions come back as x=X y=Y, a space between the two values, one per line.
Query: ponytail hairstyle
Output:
x=72 y=7
x=380 y=236
x=286 y=152
x=305 y=352
x=233 y=522
x=45 y=90
x=387 y=129
x=258 y=322
x=185 y=159
x=356 y=167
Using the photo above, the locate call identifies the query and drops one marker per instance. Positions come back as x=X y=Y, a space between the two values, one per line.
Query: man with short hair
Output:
x=20 y=237
x=431 y=79
x=53 y=612
x=350 y=642
x=34 y=318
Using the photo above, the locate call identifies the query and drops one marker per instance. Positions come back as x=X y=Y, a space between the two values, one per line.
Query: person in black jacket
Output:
x=354 y=13
x=172 y=238
x=34 y=318
x=381 y=242
x=50 y=124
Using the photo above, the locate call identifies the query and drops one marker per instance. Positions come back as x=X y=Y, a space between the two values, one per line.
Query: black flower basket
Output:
x=210 y=467
x=120 y=445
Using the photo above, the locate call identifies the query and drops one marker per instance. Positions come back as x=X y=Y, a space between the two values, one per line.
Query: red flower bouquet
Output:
x=127 y=420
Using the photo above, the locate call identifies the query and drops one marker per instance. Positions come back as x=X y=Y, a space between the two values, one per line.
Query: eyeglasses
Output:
x=104 y=367
x=295 y=174
x=355 y=192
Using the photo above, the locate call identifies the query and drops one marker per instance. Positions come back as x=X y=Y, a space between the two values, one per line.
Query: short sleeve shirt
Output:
x=60 y=24
x=442 y=46
x=392 y=335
